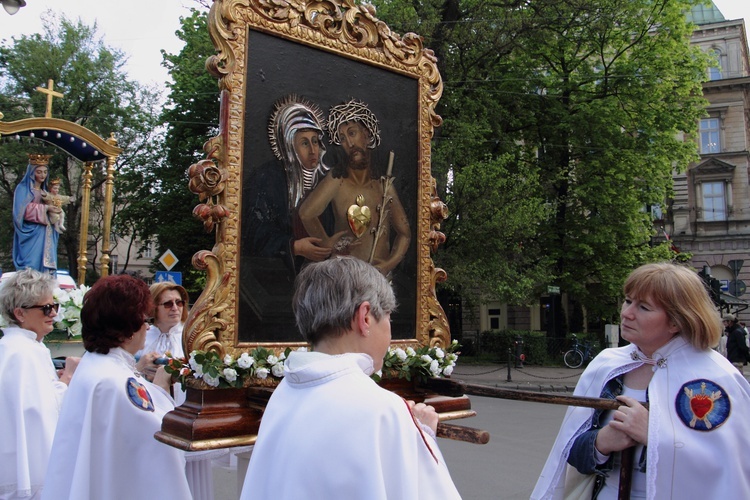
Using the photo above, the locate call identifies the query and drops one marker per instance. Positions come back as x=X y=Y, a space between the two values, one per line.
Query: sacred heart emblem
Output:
x=359 y=217
x=701 y=405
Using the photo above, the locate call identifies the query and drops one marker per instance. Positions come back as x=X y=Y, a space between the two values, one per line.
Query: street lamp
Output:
x=12 y=6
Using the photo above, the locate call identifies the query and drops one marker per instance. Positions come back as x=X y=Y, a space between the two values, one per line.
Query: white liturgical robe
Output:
x=30 y=398
x=329 y=431
x=698 y=434
x=104 y=445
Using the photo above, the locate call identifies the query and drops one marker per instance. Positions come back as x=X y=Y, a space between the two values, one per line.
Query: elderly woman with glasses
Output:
x=31 y=391
x=165 y=334
x=163 y=338
x=104 y=445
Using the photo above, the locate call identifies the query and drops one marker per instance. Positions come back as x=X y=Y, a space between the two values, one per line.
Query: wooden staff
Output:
x=461 y=433
x=456 y=388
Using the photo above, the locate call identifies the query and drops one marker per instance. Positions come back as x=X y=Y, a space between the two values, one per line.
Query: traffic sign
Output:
x=553 y=290
x=168 y=260
x=737 y=288
x=168 y=277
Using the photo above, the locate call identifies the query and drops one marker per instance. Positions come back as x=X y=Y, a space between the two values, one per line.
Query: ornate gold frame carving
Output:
x=343 y=28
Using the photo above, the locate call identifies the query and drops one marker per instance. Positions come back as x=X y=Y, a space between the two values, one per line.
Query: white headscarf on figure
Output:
x=293 y=114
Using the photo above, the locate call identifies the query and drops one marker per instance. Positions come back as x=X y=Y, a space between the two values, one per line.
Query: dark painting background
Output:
x=275 y=68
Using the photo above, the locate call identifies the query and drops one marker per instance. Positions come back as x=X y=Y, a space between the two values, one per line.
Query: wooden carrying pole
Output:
x=456 y=388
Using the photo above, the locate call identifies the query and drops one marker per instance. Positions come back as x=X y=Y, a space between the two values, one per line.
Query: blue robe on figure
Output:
x=34 y=239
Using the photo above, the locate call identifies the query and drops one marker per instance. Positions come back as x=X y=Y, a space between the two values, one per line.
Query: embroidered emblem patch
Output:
x=702 y=405
x=139 y=396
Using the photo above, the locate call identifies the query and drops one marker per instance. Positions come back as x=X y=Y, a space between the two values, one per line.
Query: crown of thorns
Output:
x=353 y=110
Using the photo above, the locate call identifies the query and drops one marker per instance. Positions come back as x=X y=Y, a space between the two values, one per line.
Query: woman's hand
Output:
x=632 y=419
x=162 y=379
x=71 y=363
x=146 y=365
x=426 y=414
x=311 y=249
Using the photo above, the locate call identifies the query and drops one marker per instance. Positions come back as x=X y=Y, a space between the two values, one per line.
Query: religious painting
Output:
x=324 y=150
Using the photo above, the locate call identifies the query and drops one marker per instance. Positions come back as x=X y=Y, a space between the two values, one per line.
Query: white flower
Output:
x=400 y=354
x=426 y=358
x=198 y=369
x=439 y=353
x=302 y=349
x=262 y=372
x=229 y=374
x=282 y=356
x=228 y=359
x=193 y=363
x=272 y=360
x=410 y=351
x=379 y=373
x=277 y=370
x=435 y=368
x=75 y=329
x=245 y=361
x=212 y=381
x=448 y=370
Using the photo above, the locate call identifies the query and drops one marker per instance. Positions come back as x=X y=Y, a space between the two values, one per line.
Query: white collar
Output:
x=659 y=358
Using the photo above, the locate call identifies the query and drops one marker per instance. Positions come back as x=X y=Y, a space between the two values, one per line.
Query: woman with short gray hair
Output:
x=376 y=444
x=31 y=391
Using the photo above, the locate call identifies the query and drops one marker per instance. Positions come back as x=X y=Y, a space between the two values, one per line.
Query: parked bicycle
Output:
x=578 y=354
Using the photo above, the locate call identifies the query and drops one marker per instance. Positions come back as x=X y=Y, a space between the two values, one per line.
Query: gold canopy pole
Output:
x=107 y=211
x=84 y=233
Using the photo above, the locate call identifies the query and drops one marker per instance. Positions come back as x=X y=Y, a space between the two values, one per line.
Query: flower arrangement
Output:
x=261 y=363
x=419 y=364
x=68 y=316
x=228 y=371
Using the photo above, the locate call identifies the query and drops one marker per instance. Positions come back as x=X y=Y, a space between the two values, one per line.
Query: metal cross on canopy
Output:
x=51 y=94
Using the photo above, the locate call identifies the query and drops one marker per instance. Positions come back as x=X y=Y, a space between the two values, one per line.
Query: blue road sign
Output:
x=168 y=276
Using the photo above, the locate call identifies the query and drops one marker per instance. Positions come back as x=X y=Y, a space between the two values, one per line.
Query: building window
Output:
x=710 y=143
x=148 y=252
x=714 y=202
x=114 y=260
x=493 y=317
x=714 y=71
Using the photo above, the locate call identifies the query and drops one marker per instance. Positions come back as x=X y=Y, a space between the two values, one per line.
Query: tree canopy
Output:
x=579 y=108
x=97 y=94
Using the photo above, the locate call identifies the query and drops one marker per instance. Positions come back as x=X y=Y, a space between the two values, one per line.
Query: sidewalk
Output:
x=528 y=378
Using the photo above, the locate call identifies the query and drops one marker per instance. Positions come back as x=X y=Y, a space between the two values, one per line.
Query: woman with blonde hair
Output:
x=696 y=402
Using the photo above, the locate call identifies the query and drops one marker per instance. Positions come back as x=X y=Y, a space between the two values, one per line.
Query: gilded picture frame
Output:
x=325 y=53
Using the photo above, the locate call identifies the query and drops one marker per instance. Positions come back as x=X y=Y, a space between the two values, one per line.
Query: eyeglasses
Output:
x=46 y=308
x=170 y=304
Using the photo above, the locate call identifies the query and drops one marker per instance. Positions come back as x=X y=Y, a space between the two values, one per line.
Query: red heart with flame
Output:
x=701 y=405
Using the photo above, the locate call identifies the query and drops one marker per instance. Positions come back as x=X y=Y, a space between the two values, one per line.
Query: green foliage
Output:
x=191 y=118
x=419 y=364
x=581 y=108
x=97 y=95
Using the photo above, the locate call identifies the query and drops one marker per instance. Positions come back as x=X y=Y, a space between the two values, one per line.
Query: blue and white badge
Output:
x=139 y=396
x=702 y=405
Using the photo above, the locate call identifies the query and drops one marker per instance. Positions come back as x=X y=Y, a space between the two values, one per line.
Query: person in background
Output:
x=737 y=351
x=697 y=401
x=164 y=338
x=376 y=444
x=104 y=446
x=31 y=391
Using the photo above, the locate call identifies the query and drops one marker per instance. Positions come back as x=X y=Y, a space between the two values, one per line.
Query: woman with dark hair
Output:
x=689 y=441
x=31 y=392
x=111 y=412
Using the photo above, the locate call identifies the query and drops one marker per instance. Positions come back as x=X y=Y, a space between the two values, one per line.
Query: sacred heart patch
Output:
x=359 y=217
x=702 y=405
x=138 y=395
